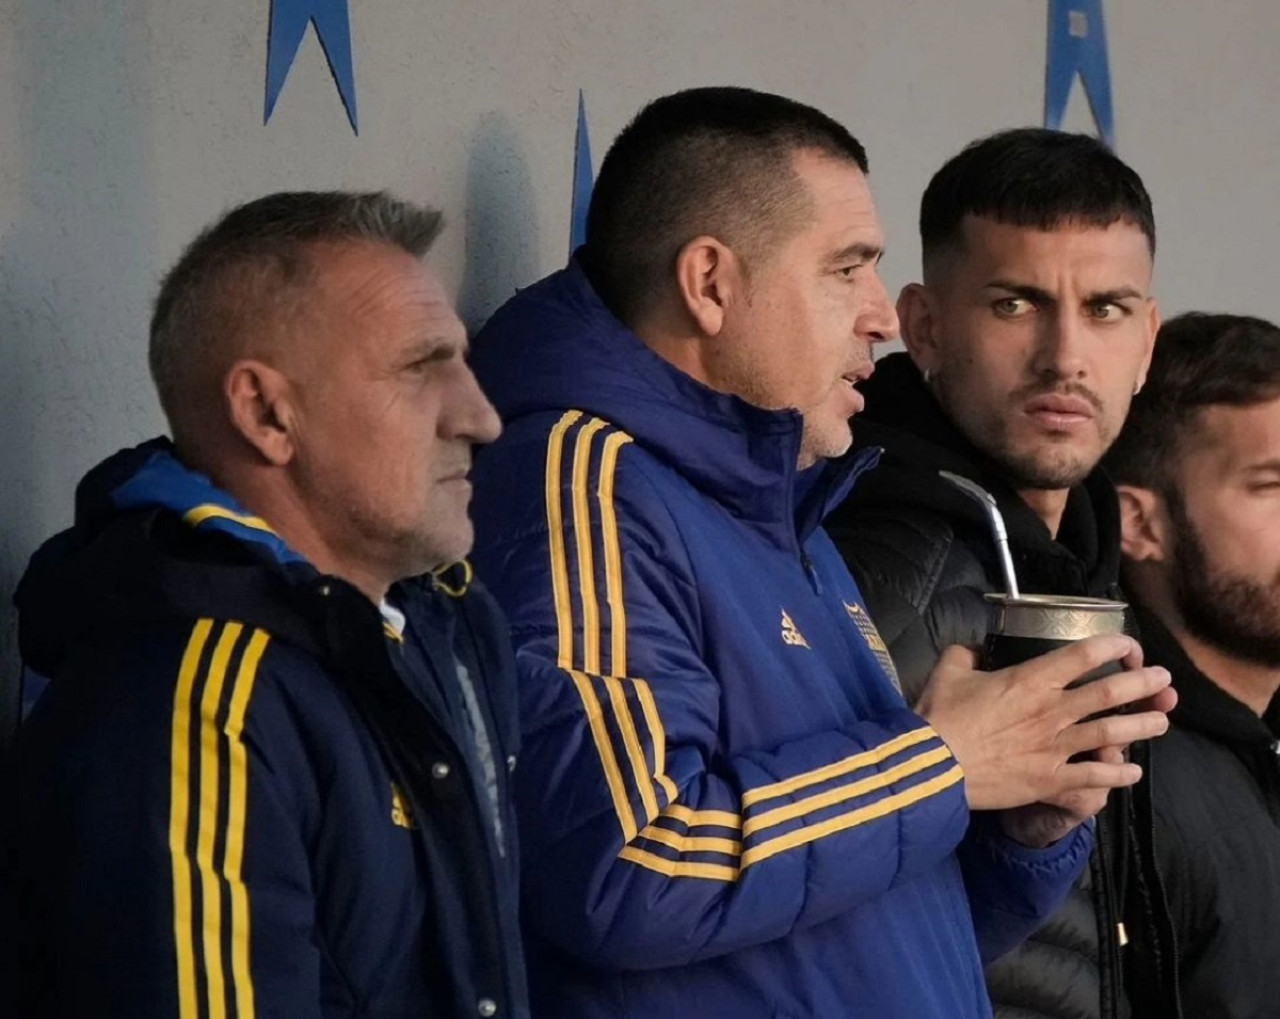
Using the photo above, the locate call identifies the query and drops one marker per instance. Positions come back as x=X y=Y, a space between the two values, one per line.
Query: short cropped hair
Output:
x=252 y=266
x=713 y=161
x=1035 y=178
x=1200 y=361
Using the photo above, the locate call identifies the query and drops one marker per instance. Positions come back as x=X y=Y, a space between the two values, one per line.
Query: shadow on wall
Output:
x=502 y=232
x=74 y=221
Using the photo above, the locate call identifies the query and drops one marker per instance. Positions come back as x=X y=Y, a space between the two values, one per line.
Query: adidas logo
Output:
x=790 y=633
x=401 y=812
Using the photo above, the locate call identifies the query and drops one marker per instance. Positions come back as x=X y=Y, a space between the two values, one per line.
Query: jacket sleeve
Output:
x=645 y=843
x=162 y=869
x=1013 y=889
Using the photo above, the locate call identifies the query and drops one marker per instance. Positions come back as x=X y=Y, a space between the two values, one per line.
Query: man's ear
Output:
x=260 y=409
x=918 y=327
x=1145 y=531
x=709 y=277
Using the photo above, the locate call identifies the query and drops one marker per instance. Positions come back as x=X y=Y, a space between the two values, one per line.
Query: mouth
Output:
x=848 y=387
x=1060 y=411
x=849 y=382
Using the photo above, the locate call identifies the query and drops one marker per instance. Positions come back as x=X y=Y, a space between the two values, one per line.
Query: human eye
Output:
x=427 y=360
x=1106 y=311
x=1012 y=307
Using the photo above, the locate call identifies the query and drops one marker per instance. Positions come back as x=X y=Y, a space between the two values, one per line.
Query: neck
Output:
x=1253 y=685
x=281 y=507
x=683 y=352
x=1047 y=504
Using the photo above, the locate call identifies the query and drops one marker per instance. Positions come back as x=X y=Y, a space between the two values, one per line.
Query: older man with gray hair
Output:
x=271 y=771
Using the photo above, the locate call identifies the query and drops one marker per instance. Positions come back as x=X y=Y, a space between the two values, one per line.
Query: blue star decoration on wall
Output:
x=583 y=179
x=289 y=21
x=1078 y=45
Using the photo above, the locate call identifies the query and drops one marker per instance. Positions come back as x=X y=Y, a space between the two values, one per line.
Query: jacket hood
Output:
x=536 y=351
x=918 y=440
x=151 y=540
x=1202 y=706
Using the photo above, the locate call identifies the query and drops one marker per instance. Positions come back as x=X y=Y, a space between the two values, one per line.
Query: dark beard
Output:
x=1239 y=617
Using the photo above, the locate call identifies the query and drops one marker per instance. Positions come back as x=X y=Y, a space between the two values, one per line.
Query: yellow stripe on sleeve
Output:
x=179 y=819
x=613 y=555
x=604 y=748
x=678 y=868
x=842 y=767
x=207 y=830
x=555 y=524
x=564 y=620
x=881 y=780
x=618 y=630
x=881 y=808
x=657 y=737
x=237 y=796
x=694 y=818
x=692 y=843
x=586 y=560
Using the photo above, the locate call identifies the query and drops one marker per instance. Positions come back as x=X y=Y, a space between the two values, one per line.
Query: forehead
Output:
x=841 y=208
x=1227 y=439
x=366 y=281
x=1117 y=253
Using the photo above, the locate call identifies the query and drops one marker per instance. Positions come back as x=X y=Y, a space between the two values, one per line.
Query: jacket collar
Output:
x=918 y=439
x=1202 y=705
x=159 y=480
x=555 y=346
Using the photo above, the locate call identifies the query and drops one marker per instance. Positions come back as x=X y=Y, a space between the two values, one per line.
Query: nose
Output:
x=471 y=416
x=879 y=319
x=1060 y=346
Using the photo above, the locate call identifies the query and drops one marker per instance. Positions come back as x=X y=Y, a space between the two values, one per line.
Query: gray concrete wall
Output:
x=125 y=127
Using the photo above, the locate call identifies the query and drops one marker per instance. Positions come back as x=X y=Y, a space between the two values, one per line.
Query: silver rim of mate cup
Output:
x=1055 y=617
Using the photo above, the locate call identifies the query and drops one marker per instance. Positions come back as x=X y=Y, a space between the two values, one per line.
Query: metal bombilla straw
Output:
x=988 y=501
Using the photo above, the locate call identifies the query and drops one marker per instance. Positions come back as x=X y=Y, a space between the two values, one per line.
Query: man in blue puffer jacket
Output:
x=727 y=808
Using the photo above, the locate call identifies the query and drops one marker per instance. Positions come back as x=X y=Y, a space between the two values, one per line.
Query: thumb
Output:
x=957 y=658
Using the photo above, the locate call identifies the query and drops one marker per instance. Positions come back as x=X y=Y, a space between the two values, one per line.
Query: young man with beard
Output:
x=727 y=809
x=1027 y=338
x=1198 y=471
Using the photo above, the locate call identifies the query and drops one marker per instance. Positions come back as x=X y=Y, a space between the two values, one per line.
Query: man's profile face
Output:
x=1040 y=338
x=1225 y=517
x=389 y=411
x=813 y=306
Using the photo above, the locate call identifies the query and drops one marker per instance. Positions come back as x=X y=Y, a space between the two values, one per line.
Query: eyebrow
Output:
x=1040 y=296
x=859 y=249
x=437 y=344
x=1263 y=467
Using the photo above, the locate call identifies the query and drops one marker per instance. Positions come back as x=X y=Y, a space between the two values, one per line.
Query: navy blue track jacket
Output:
x=245 y=795
x=727 y=809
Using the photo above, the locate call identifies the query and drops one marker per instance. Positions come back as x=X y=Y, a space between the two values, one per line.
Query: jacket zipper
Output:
x=811 y=572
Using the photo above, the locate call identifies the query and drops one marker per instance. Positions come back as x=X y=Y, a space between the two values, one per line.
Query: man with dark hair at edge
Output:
x=727 y=809
x=270 y=775
x=1026 y=340
x=1197 y=466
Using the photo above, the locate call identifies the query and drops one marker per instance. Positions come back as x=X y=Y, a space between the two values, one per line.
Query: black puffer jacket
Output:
x=1216 y=795
x=923 y=555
